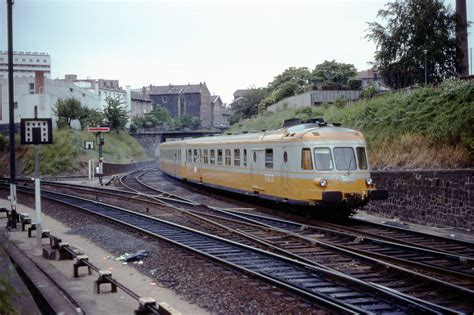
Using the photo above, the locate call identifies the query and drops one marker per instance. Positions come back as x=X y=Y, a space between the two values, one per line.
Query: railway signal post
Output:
x=100 y=132
x=37 y=131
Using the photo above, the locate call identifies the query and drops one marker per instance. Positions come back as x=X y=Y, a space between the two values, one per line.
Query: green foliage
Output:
x=333 y=72
x=68 y=110
x=186 y=121
x=91 y=118
x=340 y=102
x=369 y=92
x=443 y=116
x=7 y=291
x=248 y=105
x=354 y=84
x=413 y=26
x=115 y=113
x=3 y=143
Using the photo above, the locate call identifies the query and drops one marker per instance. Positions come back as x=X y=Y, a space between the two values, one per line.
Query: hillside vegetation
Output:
x=68 y=156
x=422 y=128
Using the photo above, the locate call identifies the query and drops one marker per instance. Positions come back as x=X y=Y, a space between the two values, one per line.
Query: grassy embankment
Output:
x=68 y=156
x=424 y=128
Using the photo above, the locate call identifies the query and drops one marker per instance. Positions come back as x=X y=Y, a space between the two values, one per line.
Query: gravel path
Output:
x=211 y=286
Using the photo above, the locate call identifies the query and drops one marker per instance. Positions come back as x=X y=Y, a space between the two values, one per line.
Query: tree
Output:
x=115 y=114
x=248 y=105
x=333 y=72
x=68 y=110
x=91 y=117
x=413 y=27
x=290 y=82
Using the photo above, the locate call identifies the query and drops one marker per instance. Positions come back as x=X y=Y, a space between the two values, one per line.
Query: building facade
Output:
x=42 y=92
x=141 y=104
x=191 y=100
x=25 y=64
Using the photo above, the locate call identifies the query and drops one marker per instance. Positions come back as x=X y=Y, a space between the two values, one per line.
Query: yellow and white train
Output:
x=310 y=164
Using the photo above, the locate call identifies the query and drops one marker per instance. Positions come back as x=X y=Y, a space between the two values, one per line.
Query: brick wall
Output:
x=441 y=197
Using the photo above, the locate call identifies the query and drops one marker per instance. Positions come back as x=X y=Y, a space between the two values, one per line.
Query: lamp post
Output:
x=425 y=51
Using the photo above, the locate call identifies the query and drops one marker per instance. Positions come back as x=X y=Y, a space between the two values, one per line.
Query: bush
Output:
x=354 y=84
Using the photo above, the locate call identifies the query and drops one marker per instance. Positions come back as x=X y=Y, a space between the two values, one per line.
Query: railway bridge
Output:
x=151 y=140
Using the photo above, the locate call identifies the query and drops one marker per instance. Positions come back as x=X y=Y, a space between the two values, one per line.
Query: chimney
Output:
x=144 y=92
x=39 y=82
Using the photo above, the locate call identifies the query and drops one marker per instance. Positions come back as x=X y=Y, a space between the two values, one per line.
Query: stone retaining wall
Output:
x=113 y=168
x=441 y=197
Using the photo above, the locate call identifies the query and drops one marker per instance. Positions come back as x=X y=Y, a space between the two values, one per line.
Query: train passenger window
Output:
x=179 y=155
x=306 y=160
x=362 y=158
x=195 y=156
x=345 y=159
x=237 y=157
x=323 y=159
x=245 y=157
x=268 y=158
x=228 y=157
x=206 y=156
x=212 y=158
x=219 y=157
x=190 y=155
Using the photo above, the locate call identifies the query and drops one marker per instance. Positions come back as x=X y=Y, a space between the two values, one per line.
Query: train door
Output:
x=175 y=162
x=284 y=169
x=256 y=161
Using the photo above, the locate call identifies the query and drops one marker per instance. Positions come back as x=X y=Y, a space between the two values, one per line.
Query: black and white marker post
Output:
x=100 y=133
x=37 y=131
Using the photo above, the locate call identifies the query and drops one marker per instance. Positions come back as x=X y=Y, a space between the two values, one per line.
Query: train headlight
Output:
x=369 y=181
x=323 y=182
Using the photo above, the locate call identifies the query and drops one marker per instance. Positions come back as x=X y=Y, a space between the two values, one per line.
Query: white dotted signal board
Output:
x=36 y=131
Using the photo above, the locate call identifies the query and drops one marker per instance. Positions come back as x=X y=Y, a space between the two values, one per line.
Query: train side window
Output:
x=268 y=158
x=362 y=158
x=323 y=159
x=285 y=157
x=228 y=157
x=254 y=157
x=206 y=156
x=219 y=156
x=179 y=155
x=237 y=157
x=190 y=155
x=306 y=160
x=213 y=156
x=245 y=157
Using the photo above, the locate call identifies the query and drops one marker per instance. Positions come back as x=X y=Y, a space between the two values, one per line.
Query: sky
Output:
x=228 y=44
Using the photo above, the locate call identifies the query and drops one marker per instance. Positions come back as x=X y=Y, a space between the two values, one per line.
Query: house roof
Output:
x=137 y=96
x=176 y=89
x=214 y=98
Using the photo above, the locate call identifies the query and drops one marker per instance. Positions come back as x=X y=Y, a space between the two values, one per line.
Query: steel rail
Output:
x=312 y=282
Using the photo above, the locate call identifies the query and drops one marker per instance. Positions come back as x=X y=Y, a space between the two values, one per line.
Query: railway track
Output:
x=332 y=289
x=440 y=262
x=437 y=294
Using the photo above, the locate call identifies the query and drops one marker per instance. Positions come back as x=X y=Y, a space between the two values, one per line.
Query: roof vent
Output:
x=245 y=131
x=336 y=124
x=229 y=133
x=317 y=120
x=291 y=122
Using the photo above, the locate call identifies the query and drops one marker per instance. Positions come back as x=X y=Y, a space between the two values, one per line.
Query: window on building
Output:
x=362 y=158
x=23 y=60
x=206 y=156
x=15 y=105
x=268 y=158
x=164 y=99
x=31 y=60
x=228 y=157
x=219 y=157
x=237 y=157
x=45 y=61
x=37 y=60
x=70 y=89
x=306 y=160
x=212 y=156
x=245 y=158
x=32 y=88
x=323 y=159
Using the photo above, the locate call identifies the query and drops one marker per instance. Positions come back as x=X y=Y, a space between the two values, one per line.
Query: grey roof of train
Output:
x=257 y=135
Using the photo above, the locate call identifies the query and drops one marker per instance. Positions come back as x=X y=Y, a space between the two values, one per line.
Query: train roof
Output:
x=301 y=132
